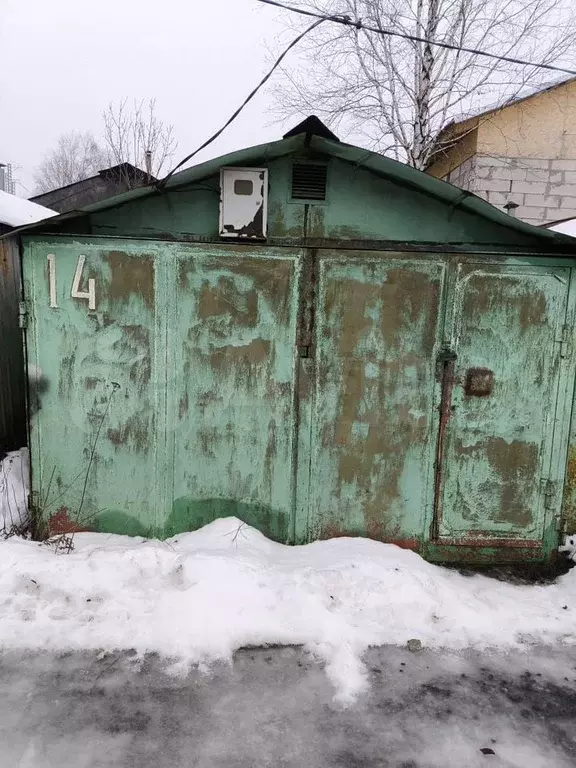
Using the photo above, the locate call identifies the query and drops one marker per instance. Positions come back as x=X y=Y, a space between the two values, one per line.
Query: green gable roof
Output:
x=379 y=165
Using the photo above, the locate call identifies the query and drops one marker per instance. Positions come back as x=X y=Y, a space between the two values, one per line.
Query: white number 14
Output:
x=89 y=295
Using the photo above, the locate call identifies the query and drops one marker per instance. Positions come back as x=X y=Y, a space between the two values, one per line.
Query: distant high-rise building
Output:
x=7 y=183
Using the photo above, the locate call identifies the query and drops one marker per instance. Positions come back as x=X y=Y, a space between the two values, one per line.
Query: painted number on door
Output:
x=76 y=293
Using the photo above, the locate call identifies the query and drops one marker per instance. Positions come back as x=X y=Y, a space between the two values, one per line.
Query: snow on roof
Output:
x=567 y=227
x=16 y=212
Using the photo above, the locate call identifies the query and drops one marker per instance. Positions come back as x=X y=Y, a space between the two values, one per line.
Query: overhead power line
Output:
x=359 y=24
x=249 y=98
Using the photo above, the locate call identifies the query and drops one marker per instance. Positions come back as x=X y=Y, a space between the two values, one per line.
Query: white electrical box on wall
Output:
x=243 y=202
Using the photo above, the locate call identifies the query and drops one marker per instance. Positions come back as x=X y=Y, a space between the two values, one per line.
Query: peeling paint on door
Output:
x=374 y=425
x=311 y=393
x=508 y=323
x=235 y=345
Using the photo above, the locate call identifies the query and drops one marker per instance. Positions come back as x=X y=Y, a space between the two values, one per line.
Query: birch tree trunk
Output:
x=394 y=95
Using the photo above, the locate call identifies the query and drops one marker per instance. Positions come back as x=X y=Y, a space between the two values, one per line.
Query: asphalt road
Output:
x=275 y=707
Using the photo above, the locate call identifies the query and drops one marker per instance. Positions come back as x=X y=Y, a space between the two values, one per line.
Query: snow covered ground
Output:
x=274 y=708
x=198 y=597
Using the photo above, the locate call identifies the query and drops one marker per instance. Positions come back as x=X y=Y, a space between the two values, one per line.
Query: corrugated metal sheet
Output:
x=12 y=387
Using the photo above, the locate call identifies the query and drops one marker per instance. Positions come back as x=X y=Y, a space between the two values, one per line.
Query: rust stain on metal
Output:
x=332 y=531
x=271 y=278
x=515 y=465
x=488 y=294
x=185 y=268
x=487 y=539
x=270 y=455
x=533 y=310
x=254 y=353
x=207 y=399
x=66 y=375
x=208 y=437
x=183 y=405
x=569 y=500
x=138 y=341
x=487 y=554
x=382 y=311
x=131 y=275
x=61 y=523
x=479 y=382
x=227 y=299
x=134 y=431
x=5 y=260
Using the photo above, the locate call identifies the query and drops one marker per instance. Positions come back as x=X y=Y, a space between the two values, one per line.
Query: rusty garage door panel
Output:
x=93 y=335
x=168 y=394
x=234 y=340
x=501 y=393
x=311 y=394
x=374 y=429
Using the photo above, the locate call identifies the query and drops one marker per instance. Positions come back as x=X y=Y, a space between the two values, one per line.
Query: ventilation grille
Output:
x=308 y=181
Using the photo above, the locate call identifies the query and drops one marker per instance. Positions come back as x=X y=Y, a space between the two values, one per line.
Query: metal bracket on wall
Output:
x=565 y=341
x=304 y=350
x=23 y=315
x=549 y=494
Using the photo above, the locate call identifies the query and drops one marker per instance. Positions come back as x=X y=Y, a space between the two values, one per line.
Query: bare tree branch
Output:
x=77 y=156
x=132 y=134
x=396 y=94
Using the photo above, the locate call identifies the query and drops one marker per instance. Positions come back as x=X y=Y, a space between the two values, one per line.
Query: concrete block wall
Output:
x=544 y=190
x=465 y=175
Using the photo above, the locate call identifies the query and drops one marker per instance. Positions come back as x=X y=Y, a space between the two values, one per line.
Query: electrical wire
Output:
x=249 y=98
x=359 y=24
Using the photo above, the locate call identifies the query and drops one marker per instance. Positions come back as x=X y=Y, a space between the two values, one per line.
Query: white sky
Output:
x=63 y=61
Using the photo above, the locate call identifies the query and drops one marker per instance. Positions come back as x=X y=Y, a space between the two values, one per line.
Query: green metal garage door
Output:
x=311 y=394
x=374 y=427
x=168 y=384
x=499 y=469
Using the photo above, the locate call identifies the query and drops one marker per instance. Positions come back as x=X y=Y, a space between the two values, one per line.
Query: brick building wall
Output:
x=544 y=190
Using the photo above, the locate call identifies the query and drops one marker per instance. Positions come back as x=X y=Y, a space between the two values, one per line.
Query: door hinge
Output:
x=566 y=341
x=23 y=315
x=549 y=494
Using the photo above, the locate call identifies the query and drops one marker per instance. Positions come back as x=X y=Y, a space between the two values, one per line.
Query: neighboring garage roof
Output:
x=17 y=212
x=308 y=138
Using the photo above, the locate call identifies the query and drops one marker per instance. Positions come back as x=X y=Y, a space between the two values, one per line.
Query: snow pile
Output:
x=14 y=473
x=16 y=212
x=200 y=596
